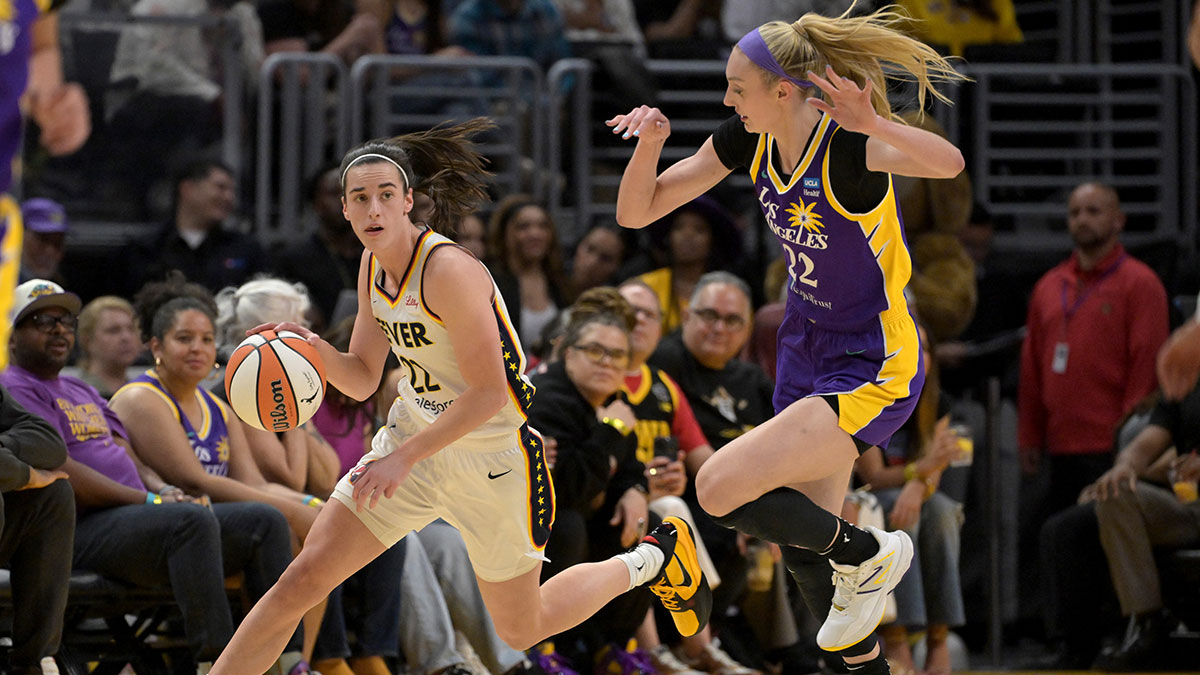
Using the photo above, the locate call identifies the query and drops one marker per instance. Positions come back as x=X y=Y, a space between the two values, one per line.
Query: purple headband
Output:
x=755 y=48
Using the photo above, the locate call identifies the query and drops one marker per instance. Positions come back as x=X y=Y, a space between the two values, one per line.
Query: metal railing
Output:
x=1033 y=132
x=390 y=95
x=301 y=129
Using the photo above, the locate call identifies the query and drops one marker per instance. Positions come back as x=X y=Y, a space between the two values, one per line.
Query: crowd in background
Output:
x=173 y=490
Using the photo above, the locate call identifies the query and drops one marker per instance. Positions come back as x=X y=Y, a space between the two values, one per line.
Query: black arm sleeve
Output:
x=857 y=188
x=25 y=440
x=734 y=145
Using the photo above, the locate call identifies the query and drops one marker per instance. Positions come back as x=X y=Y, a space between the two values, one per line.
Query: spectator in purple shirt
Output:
x=132 y=526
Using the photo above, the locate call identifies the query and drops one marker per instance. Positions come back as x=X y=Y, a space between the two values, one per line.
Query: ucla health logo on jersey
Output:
x=812 y=187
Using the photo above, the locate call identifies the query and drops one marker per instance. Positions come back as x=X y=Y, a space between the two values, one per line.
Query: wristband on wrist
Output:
x=312 y=501
x=910 y=472
x=152 y=498
x=618 y=425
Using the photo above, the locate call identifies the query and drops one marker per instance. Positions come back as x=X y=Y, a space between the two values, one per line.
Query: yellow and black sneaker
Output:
x=681 y=586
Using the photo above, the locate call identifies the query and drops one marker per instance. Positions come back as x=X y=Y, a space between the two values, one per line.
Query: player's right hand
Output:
x=643 y=122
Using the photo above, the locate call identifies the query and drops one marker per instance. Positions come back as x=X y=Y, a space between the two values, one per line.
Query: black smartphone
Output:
x=666 y=446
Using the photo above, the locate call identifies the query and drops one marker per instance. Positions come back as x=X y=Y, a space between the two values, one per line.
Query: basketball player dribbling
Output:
x=456 y=444
x=814 y=129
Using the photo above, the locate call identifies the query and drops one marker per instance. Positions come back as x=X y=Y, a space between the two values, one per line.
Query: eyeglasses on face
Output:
x=597 y=353
x=46 y=322
x=647 y=314
x=711 y=317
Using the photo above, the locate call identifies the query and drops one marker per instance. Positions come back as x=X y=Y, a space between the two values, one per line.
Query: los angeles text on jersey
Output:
x=797 y=235
x=408 y=334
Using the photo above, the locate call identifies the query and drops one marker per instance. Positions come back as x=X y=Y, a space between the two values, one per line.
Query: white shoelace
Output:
x=845 y=585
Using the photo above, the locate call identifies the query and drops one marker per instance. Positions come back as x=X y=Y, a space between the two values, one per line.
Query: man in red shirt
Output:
x=1096 y=322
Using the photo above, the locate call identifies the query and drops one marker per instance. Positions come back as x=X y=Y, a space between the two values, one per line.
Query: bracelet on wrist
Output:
x=152 y=498
x=617 y=424
x=910 y=472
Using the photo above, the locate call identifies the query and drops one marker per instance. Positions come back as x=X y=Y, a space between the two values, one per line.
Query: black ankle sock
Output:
x=876 y=666
x=789 y=518
x=851 y=545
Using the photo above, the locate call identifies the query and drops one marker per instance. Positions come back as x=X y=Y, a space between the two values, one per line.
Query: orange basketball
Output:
x=275 y=381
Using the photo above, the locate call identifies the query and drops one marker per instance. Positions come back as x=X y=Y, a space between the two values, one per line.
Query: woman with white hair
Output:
x=300 y=458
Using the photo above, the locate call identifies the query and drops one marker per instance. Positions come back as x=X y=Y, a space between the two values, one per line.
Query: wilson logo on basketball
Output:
x=275 y=381
x=279 y=413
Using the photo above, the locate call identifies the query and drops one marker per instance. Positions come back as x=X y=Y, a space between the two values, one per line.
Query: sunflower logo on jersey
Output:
x=801 y=215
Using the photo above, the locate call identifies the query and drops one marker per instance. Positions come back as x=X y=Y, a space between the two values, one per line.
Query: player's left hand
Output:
x=64 y=118
x=631 y=516
x=848 y=105
x=379 y=478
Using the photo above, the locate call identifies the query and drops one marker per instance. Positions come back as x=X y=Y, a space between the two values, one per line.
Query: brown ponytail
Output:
x=441 y=162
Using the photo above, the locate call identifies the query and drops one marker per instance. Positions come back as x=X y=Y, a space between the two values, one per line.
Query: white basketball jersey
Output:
x=421 y=343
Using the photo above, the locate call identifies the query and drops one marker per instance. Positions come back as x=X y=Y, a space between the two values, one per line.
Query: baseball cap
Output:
x=38 y=293
x=44 y=216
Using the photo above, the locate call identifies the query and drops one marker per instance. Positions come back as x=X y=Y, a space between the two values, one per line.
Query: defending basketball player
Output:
x=814 y=129
x=456 y=444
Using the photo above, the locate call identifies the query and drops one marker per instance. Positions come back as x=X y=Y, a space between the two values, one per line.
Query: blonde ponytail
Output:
x=858 y=47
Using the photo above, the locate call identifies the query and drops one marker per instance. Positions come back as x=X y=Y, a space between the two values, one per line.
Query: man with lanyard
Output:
x=29 y=55
x=1095 y=324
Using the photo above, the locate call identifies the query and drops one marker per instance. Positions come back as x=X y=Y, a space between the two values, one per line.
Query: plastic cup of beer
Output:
x=966 y=445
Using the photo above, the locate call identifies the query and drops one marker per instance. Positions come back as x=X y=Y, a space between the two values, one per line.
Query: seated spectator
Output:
x=184 y=433
x=195 y=240
x=132 y=526
x=665 y=420
x=45 y=240
x=529 y=28
x=682 y=29
x=905 y=478
x=599 y=484
x=598 y=257
x=471 y=234
x=1136 y=515
x=327 y=262
x=331 y=27
x=108 y=343
x=729 y=396
x=525 y=260
x=698 y=237
x=37 y=525
x=606 y=32
x=298 y=458
x=165 y=89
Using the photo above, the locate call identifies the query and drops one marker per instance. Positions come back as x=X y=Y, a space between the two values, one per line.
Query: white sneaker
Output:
x=49 y=666
x=860 y=591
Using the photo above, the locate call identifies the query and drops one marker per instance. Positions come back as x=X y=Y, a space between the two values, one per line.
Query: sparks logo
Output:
x=801 y=215
x=42 y=289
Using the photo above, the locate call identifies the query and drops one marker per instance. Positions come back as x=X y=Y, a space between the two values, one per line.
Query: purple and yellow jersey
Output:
x=16 y=28
x=210 y=442
x=846 y=269
x=847 y=332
